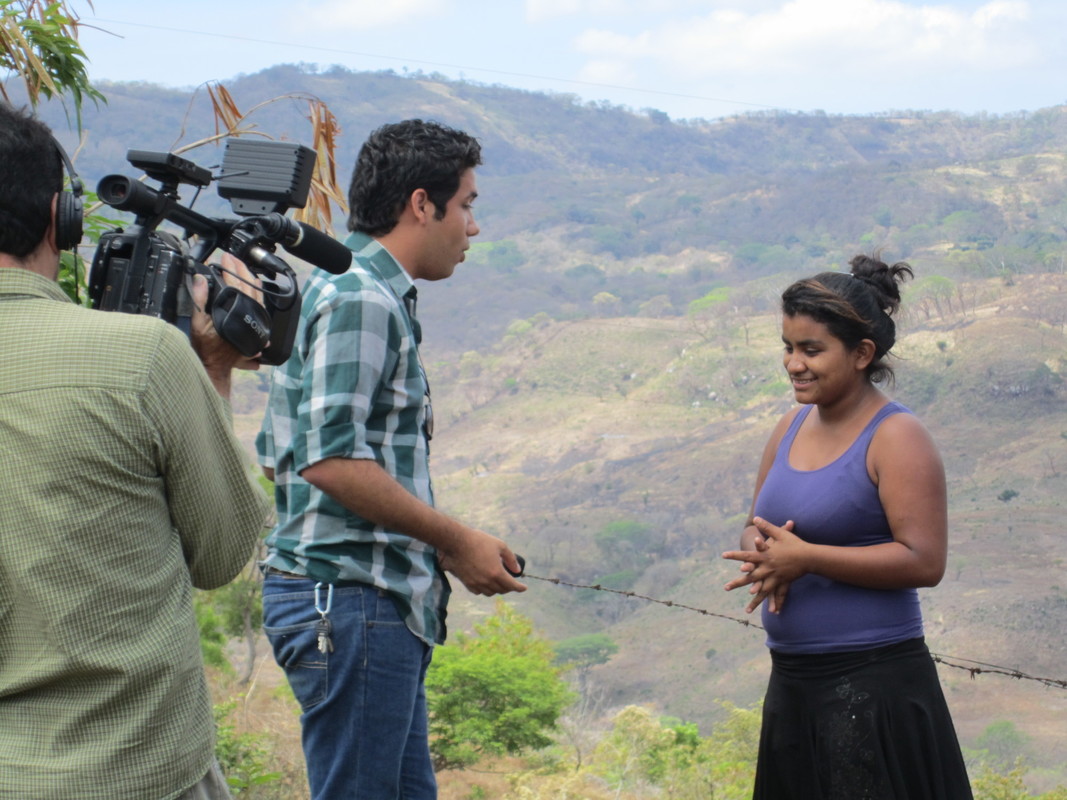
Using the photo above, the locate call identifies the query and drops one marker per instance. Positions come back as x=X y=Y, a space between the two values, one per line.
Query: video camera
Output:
x=140 y=270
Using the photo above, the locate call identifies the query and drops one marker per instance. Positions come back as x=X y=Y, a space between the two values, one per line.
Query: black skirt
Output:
x=868 y=725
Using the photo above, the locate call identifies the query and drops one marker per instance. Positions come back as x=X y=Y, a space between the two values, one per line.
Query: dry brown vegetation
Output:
x=568 y=426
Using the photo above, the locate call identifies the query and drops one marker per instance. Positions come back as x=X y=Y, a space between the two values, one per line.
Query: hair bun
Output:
x=884 y=279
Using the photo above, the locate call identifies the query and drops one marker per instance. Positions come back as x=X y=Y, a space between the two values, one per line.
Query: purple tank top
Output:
x=835 y=505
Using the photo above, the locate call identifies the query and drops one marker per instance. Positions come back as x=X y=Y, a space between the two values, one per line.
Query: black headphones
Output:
x=69 y=207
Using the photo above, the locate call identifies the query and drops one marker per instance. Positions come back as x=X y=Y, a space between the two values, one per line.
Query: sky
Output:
x=689 y=58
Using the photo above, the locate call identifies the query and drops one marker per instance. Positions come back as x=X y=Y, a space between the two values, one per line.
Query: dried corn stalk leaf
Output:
x=324 y=189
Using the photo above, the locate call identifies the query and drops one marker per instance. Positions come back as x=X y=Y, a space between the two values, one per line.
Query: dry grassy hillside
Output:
x=567 y=427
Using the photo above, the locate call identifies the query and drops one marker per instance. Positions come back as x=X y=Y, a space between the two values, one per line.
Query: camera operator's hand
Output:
x=218 y=356
x=235 y=273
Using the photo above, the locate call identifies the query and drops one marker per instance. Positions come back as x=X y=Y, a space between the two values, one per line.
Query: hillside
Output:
x=621 y=452
x=606 y=363
x=595 y=422
x=578 y=200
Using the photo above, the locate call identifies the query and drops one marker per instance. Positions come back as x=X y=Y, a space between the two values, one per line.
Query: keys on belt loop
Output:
x=323 y=626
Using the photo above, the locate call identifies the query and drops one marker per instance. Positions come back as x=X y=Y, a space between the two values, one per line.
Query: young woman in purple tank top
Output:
x=849 y=519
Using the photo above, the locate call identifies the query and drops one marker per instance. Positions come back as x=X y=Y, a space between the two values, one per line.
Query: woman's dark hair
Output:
x=854 y=306
x=399 y=158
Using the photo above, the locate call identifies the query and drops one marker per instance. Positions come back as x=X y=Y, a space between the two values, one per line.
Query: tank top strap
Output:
x=863 y=441
x=786 y=444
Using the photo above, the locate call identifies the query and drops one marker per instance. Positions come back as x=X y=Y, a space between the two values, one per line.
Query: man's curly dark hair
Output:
x=398 y=159
x=31 y=173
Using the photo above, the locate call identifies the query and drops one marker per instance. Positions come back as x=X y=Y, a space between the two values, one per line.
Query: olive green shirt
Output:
x=121 y=487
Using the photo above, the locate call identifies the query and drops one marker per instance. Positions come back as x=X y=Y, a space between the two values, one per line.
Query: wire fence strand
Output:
x=975 y=668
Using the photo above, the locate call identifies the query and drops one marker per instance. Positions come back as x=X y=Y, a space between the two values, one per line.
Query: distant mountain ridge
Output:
x=578 y=199
x=606 y=362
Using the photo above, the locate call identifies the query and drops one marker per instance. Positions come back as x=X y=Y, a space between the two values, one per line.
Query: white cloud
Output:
x=360 y=15
x=544 y=10
x=990 y=13
x=609 y=72
x=815 y=35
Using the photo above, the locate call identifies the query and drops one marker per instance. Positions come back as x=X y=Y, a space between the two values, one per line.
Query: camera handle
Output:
x=240 y=321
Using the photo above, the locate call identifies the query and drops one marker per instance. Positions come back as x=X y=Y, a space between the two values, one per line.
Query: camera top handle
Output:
x=152 y=206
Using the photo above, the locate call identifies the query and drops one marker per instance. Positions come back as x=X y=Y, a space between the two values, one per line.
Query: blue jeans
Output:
x=364 y=723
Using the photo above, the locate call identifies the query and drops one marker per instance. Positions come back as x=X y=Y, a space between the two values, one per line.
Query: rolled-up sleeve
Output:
x=353 y=342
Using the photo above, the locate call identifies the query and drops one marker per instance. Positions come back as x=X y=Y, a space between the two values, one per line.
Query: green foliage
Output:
x=642 y=752
x=72 y=278
x=505 y=256
x=266 y=484
x=1007 y=781
x=519 y=327
x=37 y=43
x=244 y=757
x=73 y=273
x=212 y=632
x=634 y=752
x=712 y=302
x=625 y=543
x=495 y=693
x=1003 y=743
x=751 y=253
x=621 y=581
x=239 y=605
x=585 y=272
x=990 y=784
x=586 y=651
x=233 y=610
x=732 y=749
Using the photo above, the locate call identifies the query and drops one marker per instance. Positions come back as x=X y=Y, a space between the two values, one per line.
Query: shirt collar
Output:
x=15 y=281
x=372 y=252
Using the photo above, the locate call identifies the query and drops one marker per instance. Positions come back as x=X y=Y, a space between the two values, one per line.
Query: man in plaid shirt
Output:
x=354 y=591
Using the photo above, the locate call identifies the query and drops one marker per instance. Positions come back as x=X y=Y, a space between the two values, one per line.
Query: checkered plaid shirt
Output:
x=354 y=388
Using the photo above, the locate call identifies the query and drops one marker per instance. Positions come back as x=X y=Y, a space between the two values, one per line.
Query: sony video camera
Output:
x=142 y=270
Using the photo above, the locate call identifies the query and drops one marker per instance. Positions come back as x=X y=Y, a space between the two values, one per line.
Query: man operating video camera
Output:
x=121 y=487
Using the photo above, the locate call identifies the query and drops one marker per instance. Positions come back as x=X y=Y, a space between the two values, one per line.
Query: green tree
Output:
x=626 y=543
x=583 y=653
x=630 y=757
x=39 y=44
x=732 y=749
x=933 y=290
x=669 y=756
x=1003 y=743
x=989 y=784
x=495 y=693
x=586 y=651
x=231 y=611
x=244 y=756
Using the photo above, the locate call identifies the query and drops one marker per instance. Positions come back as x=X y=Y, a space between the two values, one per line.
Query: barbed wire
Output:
x=978 y=667
x=975 y=668
x=668 y=603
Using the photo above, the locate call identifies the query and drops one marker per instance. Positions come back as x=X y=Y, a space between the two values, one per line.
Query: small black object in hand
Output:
x=522 y=567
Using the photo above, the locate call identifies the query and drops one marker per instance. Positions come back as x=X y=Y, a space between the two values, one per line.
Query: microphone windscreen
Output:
x=323 y=251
